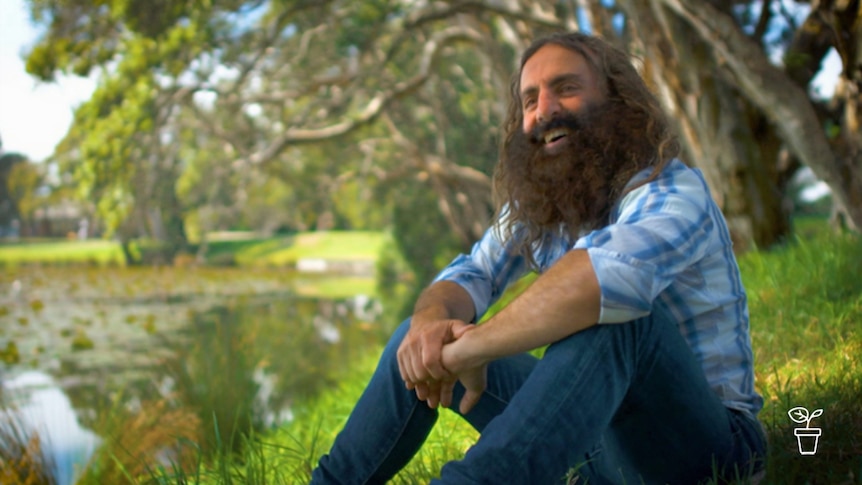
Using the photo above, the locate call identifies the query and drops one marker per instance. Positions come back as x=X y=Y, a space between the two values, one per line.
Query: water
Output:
x=230 y=350
x=41 y=406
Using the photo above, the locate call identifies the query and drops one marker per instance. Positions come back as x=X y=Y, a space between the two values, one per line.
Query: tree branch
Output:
x=808 y=47
x=763 y=21
x=443 y=11
x=375 y=106
x=783 y=102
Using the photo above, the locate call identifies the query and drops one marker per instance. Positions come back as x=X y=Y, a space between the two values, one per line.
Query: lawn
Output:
x=222 y=249
x=93 y=251
x=328 y=245
x=805 y=302
x=806 y=316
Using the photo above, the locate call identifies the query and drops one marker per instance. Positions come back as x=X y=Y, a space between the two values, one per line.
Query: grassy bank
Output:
x=806 y=316
x=94 y=252
x=329 y=245
x=225 y=248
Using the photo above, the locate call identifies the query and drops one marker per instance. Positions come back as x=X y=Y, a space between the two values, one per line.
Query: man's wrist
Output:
x=462 y=354
x=444 y=300
x=429 y=314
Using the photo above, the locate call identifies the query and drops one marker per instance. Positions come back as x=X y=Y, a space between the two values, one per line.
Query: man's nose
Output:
x=548 y=108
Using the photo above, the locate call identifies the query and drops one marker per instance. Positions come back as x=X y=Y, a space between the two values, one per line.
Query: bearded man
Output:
x=648 y=374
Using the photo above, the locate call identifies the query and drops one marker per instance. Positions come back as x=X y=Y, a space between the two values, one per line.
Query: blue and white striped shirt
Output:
x=667 y=246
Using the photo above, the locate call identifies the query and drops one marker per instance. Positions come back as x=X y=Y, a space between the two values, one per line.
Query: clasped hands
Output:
x=434 y=355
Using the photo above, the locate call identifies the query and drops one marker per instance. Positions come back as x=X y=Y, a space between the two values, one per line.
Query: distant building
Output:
x=63 y=219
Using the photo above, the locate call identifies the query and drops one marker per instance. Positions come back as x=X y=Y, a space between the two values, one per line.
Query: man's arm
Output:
x=564 y=300
x=659 y=234
x=443 y=300
x=461 y=293
x=440 y=308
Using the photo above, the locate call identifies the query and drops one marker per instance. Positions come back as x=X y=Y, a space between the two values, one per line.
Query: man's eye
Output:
x=568 y=88
x=529 y=103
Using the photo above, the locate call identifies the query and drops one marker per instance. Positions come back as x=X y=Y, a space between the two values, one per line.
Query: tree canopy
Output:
x=297 y=114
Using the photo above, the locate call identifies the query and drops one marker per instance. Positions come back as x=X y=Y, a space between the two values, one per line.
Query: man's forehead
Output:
x=575 y=77
x=553 y=62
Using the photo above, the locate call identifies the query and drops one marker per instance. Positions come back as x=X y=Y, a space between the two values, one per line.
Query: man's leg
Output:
x=672 y=428
x=389 y=424
x=634 y=389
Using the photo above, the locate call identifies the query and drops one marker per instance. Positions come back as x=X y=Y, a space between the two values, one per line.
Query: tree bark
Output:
x=786 y=105
x=722 y=135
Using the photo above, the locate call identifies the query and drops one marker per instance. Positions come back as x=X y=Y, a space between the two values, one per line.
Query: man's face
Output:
x=556 y=82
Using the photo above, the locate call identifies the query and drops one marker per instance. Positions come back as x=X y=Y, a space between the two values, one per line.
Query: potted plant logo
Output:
x=806 y=437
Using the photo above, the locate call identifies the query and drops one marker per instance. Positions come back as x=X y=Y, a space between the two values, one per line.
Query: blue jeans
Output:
x=626 y=403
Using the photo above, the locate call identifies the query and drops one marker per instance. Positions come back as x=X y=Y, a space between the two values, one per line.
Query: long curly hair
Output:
x=641 y=138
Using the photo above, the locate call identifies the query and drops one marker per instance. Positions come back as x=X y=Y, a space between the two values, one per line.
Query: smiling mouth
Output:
x=555 y=135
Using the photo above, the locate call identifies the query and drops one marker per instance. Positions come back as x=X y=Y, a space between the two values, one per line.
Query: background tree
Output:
x=24 y=182
x=388 y=104
x=749 y=122
x=10 y=189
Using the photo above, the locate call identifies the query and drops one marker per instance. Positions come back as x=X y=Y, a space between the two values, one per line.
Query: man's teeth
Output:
x=554 y=135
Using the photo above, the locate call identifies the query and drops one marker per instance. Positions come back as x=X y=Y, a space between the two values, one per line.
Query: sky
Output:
x=34 y=116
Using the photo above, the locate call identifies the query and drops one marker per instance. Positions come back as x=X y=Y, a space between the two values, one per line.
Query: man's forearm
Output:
x=444 y=300
x=564 y=300
x=440 y=308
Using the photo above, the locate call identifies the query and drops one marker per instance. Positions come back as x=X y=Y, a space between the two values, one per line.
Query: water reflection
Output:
x=220 y=353
x=241 y=367
x=39 y=406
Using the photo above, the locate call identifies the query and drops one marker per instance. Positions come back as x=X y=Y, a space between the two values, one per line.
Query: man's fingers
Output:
x=421 y=391
x=420 y=356
x=446 y=389
x=405 y=368
x=436 y=370
x=417 y=371
x=433 y=394
x=469 y=400
x=432 y=361
x=460 y=328
x=402 y=369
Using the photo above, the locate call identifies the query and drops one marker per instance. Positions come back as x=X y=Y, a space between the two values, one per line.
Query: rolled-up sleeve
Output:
x=662 y=230
x=485 y=272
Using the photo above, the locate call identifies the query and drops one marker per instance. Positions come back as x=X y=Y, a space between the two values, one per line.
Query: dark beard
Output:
x=576 y=188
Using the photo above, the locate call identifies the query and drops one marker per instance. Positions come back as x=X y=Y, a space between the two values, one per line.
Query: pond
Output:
x=223 y=351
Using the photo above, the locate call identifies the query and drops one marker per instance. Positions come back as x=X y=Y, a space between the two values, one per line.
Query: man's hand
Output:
x=440 y=393
x=475 y=381
x=440 y=309
x=420 y=358
x=472 y=373
x=455 y=353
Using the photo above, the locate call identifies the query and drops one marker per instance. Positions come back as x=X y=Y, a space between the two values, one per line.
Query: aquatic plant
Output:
x=22 y=458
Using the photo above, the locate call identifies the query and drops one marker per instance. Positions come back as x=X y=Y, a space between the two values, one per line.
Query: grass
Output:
x=334 y=287
x=805 y=307
x=22 y=459
x=246 y=250
x=805 y=303
x=330 y=245
x=94 y=251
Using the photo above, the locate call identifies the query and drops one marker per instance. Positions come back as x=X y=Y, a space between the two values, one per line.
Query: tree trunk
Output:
x=849 y=94
x=721 y=133
x=785 y=104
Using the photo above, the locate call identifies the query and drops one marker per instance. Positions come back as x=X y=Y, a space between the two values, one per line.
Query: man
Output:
x=648 y=375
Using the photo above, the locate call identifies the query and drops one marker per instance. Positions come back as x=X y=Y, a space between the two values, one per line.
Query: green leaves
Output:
x=10 y=354
x=202 y=104
x=82 y=35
